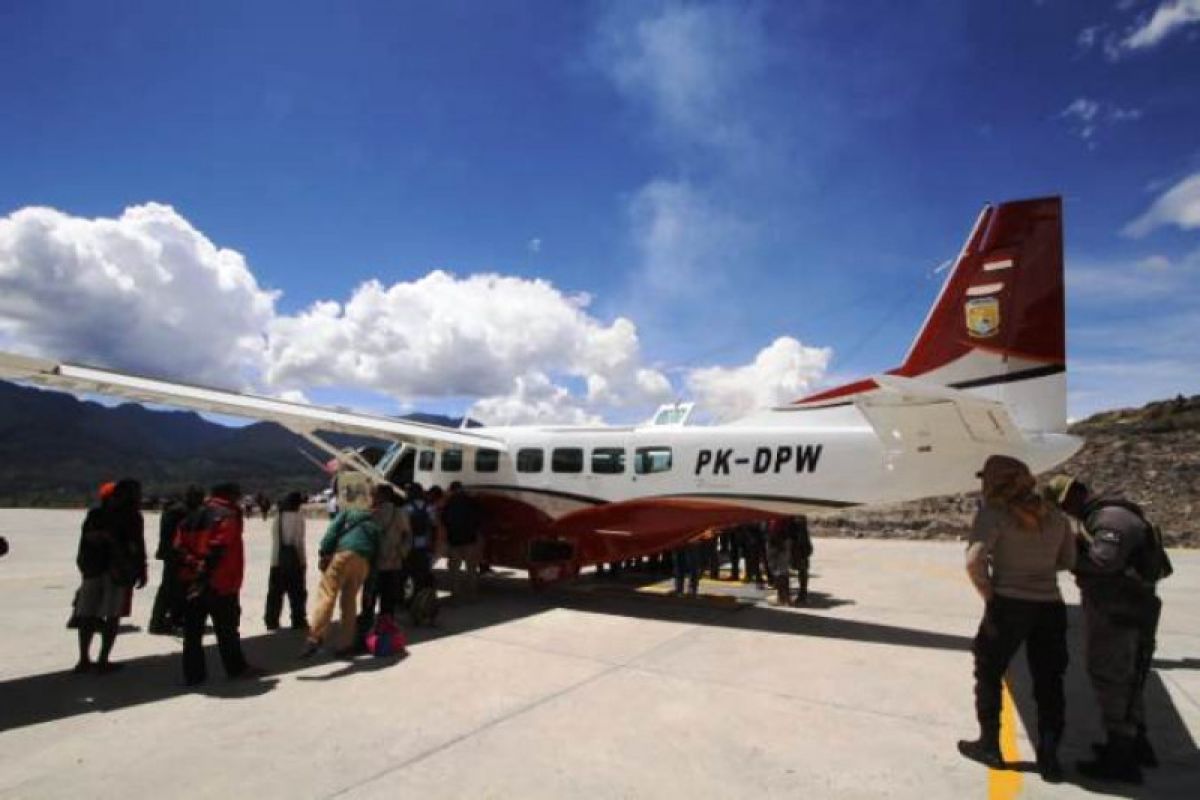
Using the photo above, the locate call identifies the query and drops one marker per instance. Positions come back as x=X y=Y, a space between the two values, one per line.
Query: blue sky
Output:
x=718 y=174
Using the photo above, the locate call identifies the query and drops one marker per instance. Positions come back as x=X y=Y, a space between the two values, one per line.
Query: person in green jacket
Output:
x=346 y=552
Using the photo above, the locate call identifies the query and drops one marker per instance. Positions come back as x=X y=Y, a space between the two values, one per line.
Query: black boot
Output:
x=1143 y=750
x=985 y=749
x=1048 y=765
x=1116 y=762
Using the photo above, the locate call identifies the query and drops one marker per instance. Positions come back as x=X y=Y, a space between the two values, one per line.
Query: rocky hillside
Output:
x=1151 y=455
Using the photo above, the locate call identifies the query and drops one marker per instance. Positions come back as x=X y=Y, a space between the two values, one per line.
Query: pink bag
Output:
x=386 y=638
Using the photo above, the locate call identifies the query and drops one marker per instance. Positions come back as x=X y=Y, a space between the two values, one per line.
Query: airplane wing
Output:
x=910 y=414
x=298 y=417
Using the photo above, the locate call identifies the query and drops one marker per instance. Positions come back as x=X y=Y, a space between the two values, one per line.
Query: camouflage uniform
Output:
x=1121 y=613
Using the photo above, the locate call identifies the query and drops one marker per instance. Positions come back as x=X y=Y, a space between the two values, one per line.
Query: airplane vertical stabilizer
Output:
x=997 y=329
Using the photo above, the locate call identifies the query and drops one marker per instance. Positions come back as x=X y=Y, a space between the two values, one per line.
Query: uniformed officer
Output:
x=1120 y=561
x=1018 y=543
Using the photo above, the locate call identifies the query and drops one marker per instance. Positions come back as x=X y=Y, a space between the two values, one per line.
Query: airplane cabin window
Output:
x=452 y=460
x=425 y=461
x=530 y=459
x=652 y=459
x=487 y=460
x=566 y=459
x=608 y=460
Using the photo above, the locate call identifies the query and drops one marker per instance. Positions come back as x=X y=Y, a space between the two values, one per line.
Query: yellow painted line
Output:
x=1005 y=784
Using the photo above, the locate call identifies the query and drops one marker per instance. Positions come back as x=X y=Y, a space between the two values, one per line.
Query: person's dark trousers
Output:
x=755 y=554
x=1042 y=627
x=712 y=559
x=686 y=564
x=419 y=566
x=382 y=594
x=783 y=588
x=290 y=582
x=802 y=578
x=169 y=601
x=737 y=550
x=226 y=613
x=391 y=591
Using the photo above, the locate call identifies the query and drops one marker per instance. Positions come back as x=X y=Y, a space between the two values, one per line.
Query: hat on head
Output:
x=106 y=489
x=1058 y=487
x=997 y=466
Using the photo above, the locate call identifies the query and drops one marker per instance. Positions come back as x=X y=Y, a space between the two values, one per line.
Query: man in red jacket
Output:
x=211 y=565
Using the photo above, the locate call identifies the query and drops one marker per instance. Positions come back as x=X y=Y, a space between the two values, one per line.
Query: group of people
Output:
x=1021 y=538
x=374 y=553
x=768 y=551
x=365 y=553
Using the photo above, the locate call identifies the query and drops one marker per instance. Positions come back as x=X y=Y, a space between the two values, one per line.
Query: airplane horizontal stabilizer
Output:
x=914 y=415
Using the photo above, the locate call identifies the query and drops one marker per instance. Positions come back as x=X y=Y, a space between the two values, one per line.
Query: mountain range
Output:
x=56 y=449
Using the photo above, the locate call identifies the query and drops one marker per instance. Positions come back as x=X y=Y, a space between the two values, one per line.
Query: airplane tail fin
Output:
x=997 y=329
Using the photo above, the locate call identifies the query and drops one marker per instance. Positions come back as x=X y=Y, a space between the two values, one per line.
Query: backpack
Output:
x=192 y=538
x=386 y=638
x=421 y=524
x=1150 y=561
x=423 y=608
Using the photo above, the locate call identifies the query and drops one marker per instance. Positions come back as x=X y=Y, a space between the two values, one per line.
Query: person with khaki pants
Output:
x=347 y=550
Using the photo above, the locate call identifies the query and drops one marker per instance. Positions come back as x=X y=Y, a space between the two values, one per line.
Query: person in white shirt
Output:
x=288 y=563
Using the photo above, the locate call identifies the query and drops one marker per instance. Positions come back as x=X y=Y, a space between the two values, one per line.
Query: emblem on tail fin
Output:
x=983 y=317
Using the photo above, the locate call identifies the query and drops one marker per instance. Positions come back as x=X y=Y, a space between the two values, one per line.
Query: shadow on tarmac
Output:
x=58 y=695
x=1180 y=760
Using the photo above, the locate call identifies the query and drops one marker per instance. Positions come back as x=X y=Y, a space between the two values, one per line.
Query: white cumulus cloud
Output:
x=1170 y=17
x=442 y=335
x=145 y=291
x=1179 y=206
x=782 y=371
x=533 y=398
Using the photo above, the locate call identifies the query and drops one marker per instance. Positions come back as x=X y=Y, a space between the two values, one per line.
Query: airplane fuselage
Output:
x=611 y=493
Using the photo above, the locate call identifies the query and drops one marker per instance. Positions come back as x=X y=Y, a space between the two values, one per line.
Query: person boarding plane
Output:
x=985 y=375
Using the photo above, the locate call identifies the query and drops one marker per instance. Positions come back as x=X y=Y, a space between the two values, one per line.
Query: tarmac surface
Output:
x=599 y=690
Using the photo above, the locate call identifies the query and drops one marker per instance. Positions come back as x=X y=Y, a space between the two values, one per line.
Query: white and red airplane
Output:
x=986 y=374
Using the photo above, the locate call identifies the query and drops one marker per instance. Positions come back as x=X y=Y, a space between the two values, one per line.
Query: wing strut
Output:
x=347 y=456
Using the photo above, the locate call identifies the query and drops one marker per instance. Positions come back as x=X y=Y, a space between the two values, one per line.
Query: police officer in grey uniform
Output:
x=1018 y=543
x=1120 y=561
